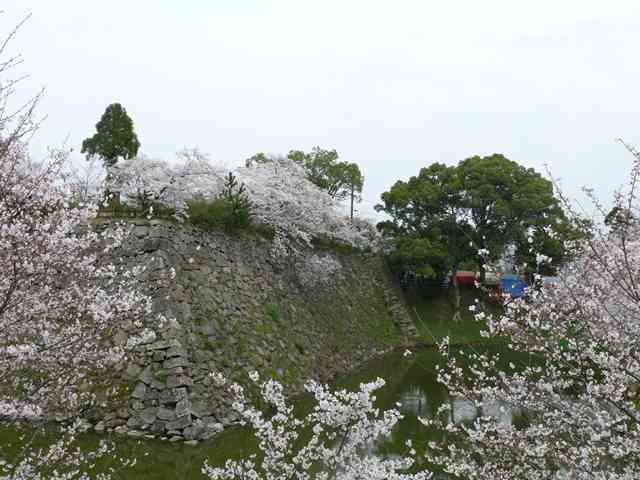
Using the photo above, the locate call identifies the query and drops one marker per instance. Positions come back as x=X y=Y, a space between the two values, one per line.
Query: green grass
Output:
x=272 y=312
x=433 y=318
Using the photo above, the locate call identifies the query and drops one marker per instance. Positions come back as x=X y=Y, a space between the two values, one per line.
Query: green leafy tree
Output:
x=449 y=216
x=339 y=179
x=257 y=158
x=429 y=228
x=114 y=138
x=504 y=201
x=235 y=196
x=619 y=218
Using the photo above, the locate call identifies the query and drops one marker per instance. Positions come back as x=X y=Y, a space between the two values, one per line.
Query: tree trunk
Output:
x=352 y=192
x=457 y=317
x=483 y=271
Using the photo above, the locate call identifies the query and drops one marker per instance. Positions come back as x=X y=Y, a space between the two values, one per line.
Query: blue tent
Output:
x=512 y=285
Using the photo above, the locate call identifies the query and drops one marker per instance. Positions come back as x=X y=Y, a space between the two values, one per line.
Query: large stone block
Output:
x=166 y=414
x=146 y=376
x=176 y=352
x=175 y=362
x=202 y=409
x=148 y=415
x=179 y=423
x=174 y=381
x=173 y=395
x=139 y=391
x=159 y=345
x=183 y=407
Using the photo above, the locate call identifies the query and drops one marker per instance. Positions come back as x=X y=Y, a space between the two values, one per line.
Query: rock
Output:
x=159 y=356
x=175 y=438
x=141 y=231
x=158 y=427
x=179 y=423
x=176 y=352
x=172 y=395
x=133 y=370
x=84 y=426
x=120 y=338
x=140 y=391
x=113 y=423
x=137 y=405
x=159 y=345
x=158 y=384
x=121 y=429
x=202 y=409
x=191 y=443
x=175 y=362
x=99 y=427
x=211 y=430
x=183 y=407
x=148 y=415
x=193 y=432
x=174 y=381
x=166 y=414
x=135 y=434
x=135 y=423
x=146 y=376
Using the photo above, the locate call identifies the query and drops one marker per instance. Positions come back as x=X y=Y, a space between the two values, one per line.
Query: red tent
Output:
x=465 y=277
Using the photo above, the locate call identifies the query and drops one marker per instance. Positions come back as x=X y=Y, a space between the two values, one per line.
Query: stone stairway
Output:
x=400 y=314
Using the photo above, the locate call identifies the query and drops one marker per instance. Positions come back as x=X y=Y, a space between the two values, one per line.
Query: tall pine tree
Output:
x=114 y=137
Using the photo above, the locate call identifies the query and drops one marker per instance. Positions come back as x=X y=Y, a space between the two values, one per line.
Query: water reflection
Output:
x=412 y=382
x=414 y=400
x=463 y=410
x=414 y=385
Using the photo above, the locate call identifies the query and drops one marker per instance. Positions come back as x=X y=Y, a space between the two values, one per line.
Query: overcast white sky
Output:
x=392 y=85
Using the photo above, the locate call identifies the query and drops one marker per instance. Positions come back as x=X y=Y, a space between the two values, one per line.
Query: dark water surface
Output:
x=411 y=381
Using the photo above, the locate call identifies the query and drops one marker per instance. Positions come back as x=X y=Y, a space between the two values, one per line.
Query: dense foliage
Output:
x=333 y=441
x=339 y=179
x=114 y=138
x=231 y=210
x=577 y=384
x=468 y=214
x=68 y=317
x=280 y=195
x=60 y=302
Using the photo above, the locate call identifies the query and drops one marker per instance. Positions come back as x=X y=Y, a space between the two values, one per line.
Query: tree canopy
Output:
x=114 y=138
x=339 y=179
x=450 y=215
x=506 y=203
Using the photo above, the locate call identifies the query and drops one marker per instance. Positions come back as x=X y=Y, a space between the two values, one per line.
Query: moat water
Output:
x=410 y=381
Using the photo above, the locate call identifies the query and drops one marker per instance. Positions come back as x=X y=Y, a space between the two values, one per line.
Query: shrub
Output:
x=216 y=214
x=231 y=210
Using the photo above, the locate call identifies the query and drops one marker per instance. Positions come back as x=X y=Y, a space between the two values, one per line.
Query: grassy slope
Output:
x=433 y=317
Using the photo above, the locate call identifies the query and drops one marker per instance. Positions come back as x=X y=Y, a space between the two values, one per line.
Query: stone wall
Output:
x=234 y=306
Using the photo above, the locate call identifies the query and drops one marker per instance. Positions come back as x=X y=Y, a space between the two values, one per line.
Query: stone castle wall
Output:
x=236 y=306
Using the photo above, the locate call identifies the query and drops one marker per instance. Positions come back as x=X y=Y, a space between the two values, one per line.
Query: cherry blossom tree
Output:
x=284 y=198
x=61 y=298
x=281 y=195
x=577 y=379
x=143 y=181
x=333 y=441
x=86 y=182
